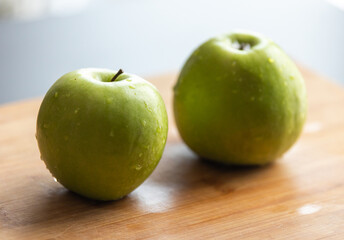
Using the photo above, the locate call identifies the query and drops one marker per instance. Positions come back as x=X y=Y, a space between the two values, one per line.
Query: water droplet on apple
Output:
x=132 y=87
x=291 y=77
x=56 y=94
x=138 y=167
x=55 y=180
x=76 y=110
x=147 y=107
x=271 y=60
x=112 y=134
x=233 y=63
x=128 y=80
x=109 y=100
x=144 y=123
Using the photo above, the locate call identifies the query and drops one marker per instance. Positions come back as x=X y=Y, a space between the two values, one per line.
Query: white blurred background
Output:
x=40 y=40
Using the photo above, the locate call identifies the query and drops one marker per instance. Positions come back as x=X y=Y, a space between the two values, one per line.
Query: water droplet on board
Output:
x=153 y=198
x=313 y=127
x=56 y=94
x=308 y=209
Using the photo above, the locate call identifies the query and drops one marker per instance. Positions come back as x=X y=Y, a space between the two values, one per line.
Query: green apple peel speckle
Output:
x=99 y=134
x=240 y=100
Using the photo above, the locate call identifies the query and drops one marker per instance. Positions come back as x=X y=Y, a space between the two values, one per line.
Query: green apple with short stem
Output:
x=240 y=100
x=101 y=133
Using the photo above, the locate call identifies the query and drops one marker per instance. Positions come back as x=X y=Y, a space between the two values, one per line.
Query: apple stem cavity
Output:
x=241 y=46
x=120 y=71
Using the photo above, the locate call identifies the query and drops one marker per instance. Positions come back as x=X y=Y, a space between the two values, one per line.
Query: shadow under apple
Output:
x=181 y=179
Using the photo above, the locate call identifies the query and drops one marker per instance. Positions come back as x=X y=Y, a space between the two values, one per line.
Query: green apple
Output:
x=240 y=100
x=101 y=134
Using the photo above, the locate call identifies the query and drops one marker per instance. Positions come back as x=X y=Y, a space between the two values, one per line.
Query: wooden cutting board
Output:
x=301 y=196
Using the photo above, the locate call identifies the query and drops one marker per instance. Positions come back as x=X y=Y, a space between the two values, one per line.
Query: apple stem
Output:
x=120 y=71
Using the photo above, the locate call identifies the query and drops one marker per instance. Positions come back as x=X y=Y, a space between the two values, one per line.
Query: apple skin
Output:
x=98 y=138
x=240 y=107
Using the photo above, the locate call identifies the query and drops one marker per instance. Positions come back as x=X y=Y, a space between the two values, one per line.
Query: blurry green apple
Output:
x=240 y=100
x=101 y=134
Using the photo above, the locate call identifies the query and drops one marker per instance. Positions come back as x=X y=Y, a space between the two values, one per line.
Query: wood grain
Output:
x=301 y=196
